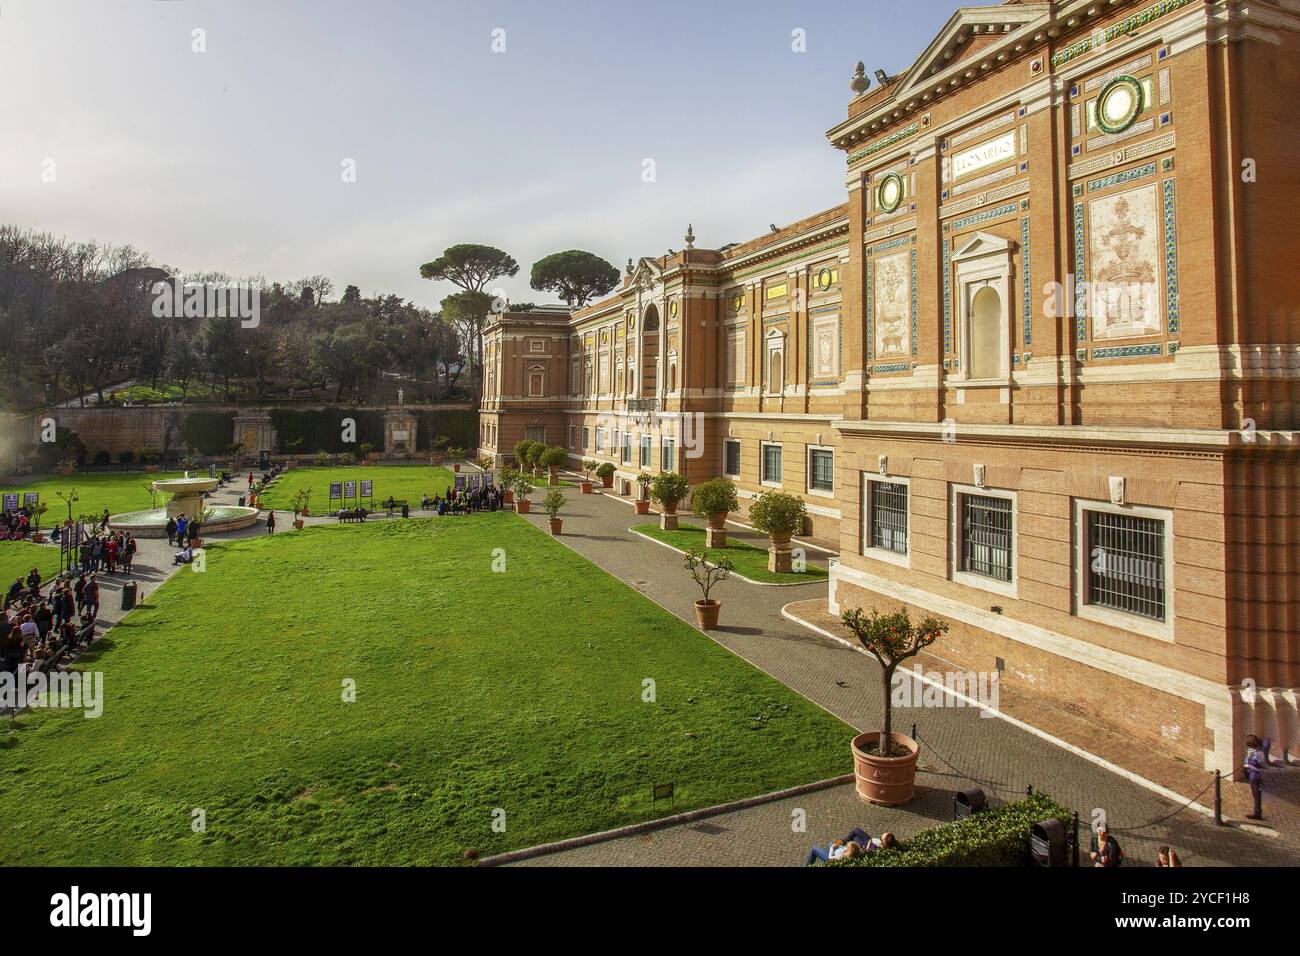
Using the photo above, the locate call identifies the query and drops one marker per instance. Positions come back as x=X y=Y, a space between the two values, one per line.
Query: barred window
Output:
x=772 y=463
x=888 y=503
x=986 y=536
x=732 y=464
x=668 y=455
x=821 y=470
x=1126 y=563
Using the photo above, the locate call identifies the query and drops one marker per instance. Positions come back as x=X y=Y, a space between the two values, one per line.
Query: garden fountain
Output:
x=185 y=500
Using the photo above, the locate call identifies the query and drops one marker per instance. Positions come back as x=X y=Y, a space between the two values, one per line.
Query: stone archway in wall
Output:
x=649 y=351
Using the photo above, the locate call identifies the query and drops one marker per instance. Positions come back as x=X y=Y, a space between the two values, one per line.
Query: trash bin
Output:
x=129 y=590
x=968 y=802
x=1047 y=843
x=406 y=511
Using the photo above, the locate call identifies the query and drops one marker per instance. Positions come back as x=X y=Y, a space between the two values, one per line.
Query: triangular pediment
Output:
x=645 y=274
x=968 y=32
x=982 y=244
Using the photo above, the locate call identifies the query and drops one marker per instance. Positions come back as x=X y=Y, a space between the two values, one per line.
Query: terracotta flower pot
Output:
x=298 y=523
x=556 y=524
x=455 y=468
x=706 y=614
x=585 y=487
x=522 y=506
x=607 y=482
x=509 y=498
x=38 y=537
x=196 y=542
x=642 y=506
x=306 y=512
x=888 y=781
x=715 y=535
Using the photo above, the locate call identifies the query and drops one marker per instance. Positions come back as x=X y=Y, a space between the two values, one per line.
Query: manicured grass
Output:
x=126 y=491
x=749 y=561
x=17 y=558
x=398 y=481
x=521 y=691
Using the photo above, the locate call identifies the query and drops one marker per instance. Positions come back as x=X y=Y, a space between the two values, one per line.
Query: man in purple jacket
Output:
x=1255 y=764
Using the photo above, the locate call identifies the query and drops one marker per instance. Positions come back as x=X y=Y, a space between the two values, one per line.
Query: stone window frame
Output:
x=740 y=451
x=956 y=494
x=773 y=345
x=865 y=547
x=973 y=270
x=808 y=471
x=1113 y=617
x=763 y=446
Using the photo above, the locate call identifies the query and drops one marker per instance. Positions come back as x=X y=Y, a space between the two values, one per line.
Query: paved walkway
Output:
x=958 y=742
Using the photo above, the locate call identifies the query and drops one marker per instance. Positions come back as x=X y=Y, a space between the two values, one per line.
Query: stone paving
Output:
x=961 y=748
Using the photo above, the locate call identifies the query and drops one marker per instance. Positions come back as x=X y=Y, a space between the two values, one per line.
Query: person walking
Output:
x=91 y=597
x=128 y=553
x=270 y=523
x=171 y=530
x=1255 y=764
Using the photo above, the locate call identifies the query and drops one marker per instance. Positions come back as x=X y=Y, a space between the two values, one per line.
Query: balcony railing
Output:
x=643 y=404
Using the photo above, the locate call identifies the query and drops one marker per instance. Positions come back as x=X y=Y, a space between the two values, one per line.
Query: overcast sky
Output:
x=232 y=159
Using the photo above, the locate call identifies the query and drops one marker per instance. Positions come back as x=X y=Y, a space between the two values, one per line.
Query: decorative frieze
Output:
x=1130 y=67
x=885 y=142
x=986 y=127
x=1127 y=351
x=1137 y=129
x=904 y=225
x=1122 y=28
x=982 y=216
x=984 y=198
x=1128 y=154
x=1171 y=260
x=1128 y=176
x=947 y=296
x=1027 y=283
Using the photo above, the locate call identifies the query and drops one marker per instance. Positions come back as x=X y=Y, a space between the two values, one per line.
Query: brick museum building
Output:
x=1038 y=374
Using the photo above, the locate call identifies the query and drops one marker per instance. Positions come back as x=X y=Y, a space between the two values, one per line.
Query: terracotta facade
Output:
x=1038 y=374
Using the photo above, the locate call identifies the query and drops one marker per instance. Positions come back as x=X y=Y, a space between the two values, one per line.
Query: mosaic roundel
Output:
x=672 y=308
x=889 y=194
x=737 y=301
x=824 y=279
x=1119 y=104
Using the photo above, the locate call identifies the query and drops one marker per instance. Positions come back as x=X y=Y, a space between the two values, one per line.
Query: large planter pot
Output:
x=585 y=487
x=668 y=518
x=779 y=555
x=642 y=506
x=715 y=535
x=607 y=482
x=556 y=524
x=455 y=468
x=298 y=523
x=509 y=498
x=706 y=614
x=38 y=537
x=196 y=542
x=522 y=506
x=887 y=781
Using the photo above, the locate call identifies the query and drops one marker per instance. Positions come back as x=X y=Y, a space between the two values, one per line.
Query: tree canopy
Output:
x=574 y=275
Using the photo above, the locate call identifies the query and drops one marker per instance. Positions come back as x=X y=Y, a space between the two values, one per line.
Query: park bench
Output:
x=347 y=515
x=394 y=504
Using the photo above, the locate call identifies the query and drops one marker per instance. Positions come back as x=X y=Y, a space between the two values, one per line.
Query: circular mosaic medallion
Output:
x=737 y=301
x=889 y=194
x=1119 y=104
x=824 y=279
x=672 y=308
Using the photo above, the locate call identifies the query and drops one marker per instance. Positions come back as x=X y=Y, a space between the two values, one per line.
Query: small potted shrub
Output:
x=507 y=480
x=195 y=529
x=643 y=493
x=606 y=475
x=347 y=458
x=885 y=762
x=523 y=488
x=486 y=462
x=457 y=456
x=553 y=502
x=38 y=536
x=299 y=503
x=668 y=489
x=715 y=499
x=588 y=466
x=551 y=459
x=779 y=515
x=707 y=573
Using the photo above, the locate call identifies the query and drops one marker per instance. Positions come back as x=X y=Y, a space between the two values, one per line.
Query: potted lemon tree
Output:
x=642 y=493
x=507 y=478
x=780 y=516
x=885 y=762
x=588 y=466
x=667 y=489
x=535 y=451
x=707 y=572
x=553 y=502
x=715 y=499
x=457 y=456
x=606 y=475
x=523 y=488
x=551 y=459
x=301 y=499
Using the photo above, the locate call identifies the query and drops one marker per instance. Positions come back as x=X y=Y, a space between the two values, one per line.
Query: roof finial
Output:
x=629 y=265
x=690 y=236
x=860 y=82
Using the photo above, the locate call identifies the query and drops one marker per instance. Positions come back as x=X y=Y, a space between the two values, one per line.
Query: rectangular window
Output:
x=600 y=439
x=572 y=436
x=668 y=455
x=645 y=451
x=586 y=435
x=821 y=470
x=627 y=448
x=772 y=464
x=1126 y=563
x=535 y=433
x=731 y=463
x=986 y=536
x=887 y=516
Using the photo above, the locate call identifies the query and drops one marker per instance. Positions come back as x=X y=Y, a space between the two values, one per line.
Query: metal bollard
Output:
x=1218 y=798
x=1074 y=860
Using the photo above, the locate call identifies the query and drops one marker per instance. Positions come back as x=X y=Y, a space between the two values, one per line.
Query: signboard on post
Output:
x=473 y=482
x=336 y=493
x=31 y=499
x=350 y=490
x=460 y=482
x=9 y=502
x=368 y=491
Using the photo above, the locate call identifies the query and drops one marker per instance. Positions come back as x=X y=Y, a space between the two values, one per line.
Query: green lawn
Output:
x=399 y=481
x=116 y=492
x=475 y=691
x=749 y=561
x=17 y=558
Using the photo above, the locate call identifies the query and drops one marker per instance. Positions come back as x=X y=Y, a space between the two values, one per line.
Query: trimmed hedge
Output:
x=209 y=433
x=995 y=837
x=460 y=425
x=322 y=428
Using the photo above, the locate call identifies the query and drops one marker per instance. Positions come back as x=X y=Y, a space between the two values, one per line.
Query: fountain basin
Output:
x=152 y=523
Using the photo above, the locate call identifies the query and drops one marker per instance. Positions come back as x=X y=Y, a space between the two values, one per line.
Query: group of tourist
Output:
x=36 y=628
x=487 y=497
x=15 y=524
x=108 y=551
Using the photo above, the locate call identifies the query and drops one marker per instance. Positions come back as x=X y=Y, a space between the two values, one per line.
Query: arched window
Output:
x=985 y=333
